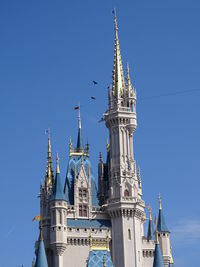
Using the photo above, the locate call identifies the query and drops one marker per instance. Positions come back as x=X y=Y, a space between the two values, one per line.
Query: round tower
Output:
x=58 y=209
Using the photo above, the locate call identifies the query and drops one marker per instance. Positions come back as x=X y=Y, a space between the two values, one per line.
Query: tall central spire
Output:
x=118 y=84
x=79 y=139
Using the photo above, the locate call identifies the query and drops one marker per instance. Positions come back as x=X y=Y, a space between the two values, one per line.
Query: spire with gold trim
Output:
x=41 y=259
x=118 y=85
x=162 y=227
x=49 y=178
x=58 y=193
x=158 y=258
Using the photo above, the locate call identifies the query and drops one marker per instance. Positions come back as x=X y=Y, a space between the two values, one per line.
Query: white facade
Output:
x=71 y=222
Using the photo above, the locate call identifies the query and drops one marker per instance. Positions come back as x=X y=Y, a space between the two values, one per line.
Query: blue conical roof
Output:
x=41 y=260
x=58 y=193
x=161 y=226
x=150 y=232
x=158 y=258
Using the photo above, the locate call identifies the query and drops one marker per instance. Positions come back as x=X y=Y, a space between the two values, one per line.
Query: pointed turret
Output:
x=118 y=84
x=164 y=236
x=58 y=193
x=49 y=179
x=41 y=259
x=162 y=227
x=158 y=258
x=150 y=232
x=79 y=139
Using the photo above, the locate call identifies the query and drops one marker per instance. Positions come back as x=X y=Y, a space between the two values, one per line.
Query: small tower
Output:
x=41 y=260
x=158 y=258
x=124 y=203
x=164 y=236
x=58 y=208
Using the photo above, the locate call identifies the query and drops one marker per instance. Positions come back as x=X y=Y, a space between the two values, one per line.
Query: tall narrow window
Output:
x=82 y=210
x=129 y=234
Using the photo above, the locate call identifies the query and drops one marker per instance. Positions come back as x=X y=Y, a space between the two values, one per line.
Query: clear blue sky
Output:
x=50 y=51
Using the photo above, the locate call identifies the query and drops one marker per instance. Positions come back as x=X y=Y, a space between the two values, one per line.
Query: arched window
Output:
x=126 y=193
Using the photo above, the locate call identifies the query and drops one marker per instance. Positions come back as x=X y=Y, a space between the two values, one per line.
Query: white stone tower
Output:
x=58 y=210
x=124 y=203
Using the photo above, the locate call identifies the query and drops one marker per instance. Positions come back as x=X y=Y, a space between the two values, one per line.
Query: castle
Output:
x=81 y=226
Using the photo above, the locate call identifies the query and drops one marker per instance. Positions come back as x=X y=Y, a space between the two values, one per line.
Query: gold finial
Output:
x=156 y=231
x=49 y=171
x=115 y=19
x=128 y=80
x=49 y=143
x=160 y=203
x=57 y=164
x=149 y=209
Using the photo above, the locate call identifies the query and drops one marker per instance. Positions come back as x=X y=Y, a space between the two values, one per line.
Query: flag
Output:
x=36 y=218
x=46 y=131
x=76 y=108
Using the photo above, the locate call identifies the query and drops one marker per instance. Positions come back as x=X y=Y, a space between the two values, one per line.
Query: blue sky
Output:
x=50 y=51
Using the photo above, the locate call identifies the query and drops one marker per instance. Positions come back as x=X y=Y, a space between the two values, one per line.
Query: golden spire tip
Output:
x=149 y=209
x=57 y=164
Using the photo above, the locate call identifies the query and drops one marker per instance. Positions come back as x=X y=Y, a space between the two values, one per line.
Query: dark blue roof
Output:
x=58 y=193
x=150 y=232
x=74 y=166
x=161 y=226
x=158 y=258
x=41 y=260
x=97 y=257
x=79 y=140
x=86 y=223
